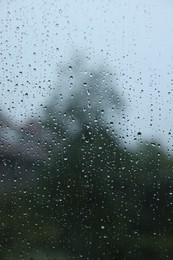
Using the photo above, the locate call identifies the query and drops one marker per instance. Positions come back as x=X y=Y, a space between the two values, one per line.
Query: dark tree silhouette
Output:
x=90 y=199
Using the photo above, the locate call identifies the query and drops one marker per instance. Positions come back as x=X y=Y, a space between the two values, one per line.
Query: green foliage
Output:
x=91 y=199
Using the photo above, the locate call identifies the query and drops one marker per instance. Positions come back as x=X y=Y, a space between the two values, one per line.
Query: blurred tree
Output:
x=91 y=101
x=91 y=198
x=104 y=198
x=85 y=157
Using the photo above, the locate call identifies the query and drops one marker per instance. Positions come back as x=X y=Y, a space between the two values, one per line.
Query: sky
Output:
x=135 y=38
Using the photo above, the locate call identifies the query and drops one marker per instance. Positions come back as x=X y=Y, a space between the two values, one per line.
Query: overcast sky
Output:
x=134 y=37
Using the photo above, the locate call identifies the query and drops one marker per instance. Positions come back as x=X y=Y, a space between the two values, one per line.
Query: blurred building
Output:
x=21 y=152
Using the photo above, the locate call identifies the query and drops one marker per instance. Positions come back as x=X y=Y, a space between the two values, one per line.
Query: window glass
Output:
x=86 y=158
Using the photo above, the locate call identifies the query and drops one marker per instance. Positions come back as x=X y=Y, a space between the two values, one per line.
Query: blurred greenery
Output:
x=91 y=198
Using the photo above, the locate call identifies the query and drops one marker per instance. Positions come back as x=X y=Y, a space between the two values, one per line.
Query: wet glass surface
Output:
x=86 y=158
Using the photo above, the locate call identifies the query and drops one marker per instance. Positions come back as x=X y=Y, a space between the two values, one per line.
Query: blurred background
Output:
x=86 y=158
